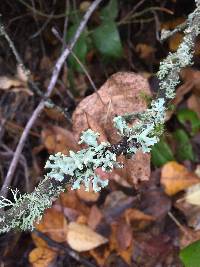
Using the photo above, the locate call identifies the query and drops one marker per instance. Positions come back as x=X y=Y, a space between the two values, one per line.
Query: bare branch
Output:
x=41 y=105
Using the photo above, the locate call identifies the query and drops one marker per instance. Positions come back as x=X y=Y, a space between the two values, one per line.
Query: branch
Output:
x=79 y=167
x=41 y=105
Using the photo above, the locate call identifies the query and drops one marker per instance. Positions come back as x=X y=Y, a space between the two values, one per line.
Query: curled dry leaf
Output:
x=175 y=178
x=81 y=238
x=57 y=139
x=138 y=219
x=42 y=257
x=119 y=95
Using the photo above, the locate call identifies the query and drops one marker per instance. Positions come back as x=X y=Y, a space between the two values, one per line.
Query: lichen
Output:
x=82 y=164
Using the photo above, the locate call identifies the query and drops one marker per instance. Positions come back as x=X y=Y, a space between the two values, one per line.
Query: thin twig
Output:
x=41 y=105
x=55 y=32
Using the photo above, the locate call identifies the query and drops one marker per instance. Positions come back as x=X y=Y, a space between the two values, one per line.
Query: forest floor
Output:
x=151 y=209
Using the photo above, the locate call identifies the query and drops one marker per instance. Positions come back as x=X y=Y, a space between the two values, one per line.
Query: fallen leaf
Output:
x=193 y=195
x=156 y=203
x=90 y=196
x=137 y=219
x=191 y=78
x=8 y=82
x=115 y=204
x=71 y=205
x=172 y=24
x=57 y=139
x=42 y=257
x=120 y=94
x=81 y=238
x=174 y=41
x=191 y=212
x=175 y=178
x=94 y=217
x=145 y=51
x=188 y=236
x=54 y=225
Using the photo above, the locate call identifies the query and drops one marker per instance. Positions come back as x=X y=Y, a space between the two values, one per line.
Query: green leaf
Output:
x=187 y=115
x=161 y=153
x=184 y=147
x=107 y=40
x=110 y=12
x=80 y=49
x=190 y=255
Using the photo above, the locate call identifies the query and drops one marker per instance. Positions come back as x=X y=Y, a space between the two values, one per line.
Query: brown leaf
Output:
x=90 y=196
x=193 y=103
x=115 y=204
x=191 y=78
x=191 y=212
x=54 y=225
x=174 y=41
x=145 y=51
x=155 y=203
x=42 y=257
x=120 y=94
x=138 y=219
x=188 y=236
x=57 y=139
x=82 y=238
x=175 y=178
x=70 y=203
x=94 y=217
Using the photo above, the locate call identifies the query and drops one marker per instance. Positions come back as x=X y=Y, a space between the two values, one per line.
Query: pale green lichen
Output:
x=82 y=164
x=28 y=209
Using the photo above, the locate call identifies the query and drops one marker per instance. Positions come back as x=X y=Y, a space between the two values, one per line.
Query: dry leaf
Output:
x=193 y=195
x=22 y=74
x=120 y=94
x=188 y=236
x=54 y=225
x=57 y=139
x=145 y=51
x=172 y=24
x=71 y=205
x=94 y=217
x=8 y=82
x=191 y=78
x=175 y=178
x=42 y=257
x=82 y=238
x=191 y=212
x=174 y=41
x=17 y=83
x=90 y=196
x=137 y=219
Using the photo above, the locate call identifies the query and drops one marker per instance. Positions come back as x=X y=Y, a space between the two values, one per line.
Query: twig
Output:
x=64 y=248
x=41 y=105
x=55 y=32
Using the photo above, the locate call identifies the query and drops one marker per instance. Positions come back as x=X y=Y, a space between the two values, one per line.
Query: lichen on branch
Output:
x=138 y=131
